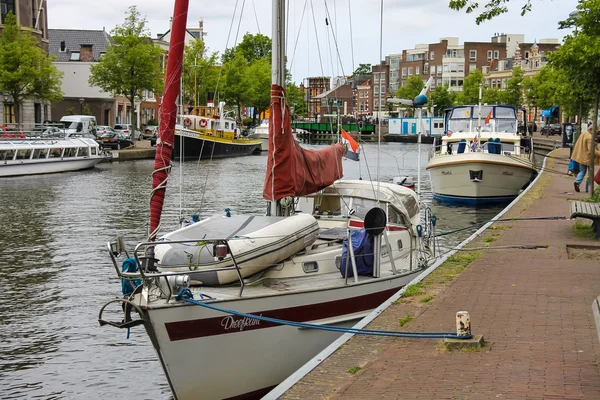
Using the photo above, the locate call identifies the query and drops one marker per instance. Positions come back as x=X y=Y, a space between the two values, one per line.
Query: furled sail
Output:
x=292 y=170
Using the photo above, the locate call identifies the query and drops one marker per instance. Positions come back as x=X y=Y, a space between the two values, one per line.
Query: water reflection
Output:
x=55 y=273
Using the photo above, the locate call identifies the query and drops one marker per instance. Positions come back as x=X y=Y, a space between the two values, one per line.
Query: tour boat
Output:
x=30 y=156
x=477 y=163
x=209 y=134
x=327 y=253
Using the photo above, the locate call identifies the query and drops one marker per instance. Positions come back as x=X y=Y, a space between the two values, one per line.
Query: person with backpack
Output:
x=581 y=155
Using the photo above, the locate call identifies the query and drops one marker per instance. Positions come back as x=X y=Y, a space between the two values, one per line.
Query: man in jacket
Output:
x=581 y=154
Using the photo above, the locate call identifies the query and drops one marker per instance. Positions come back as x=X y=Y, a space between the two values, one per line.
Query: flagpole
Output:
x=479 y=119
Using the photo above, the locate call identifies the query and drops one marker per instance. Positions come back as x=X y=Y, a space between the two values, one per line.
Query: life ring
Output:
x=449 y=134
x=203 y=123
x=187 y=122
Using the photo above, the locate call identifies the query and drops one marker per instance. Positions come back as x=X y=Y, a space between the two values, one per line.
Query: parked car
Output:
x=154 y=138
x=52 y=131
x=149 y=131
x=129 y=131
x=115 y=140
x=551 y=129
x=102 y=129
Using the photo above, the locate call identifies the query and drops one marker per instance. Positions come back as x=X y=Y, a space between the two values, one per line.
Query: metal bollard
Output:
x=463 y=323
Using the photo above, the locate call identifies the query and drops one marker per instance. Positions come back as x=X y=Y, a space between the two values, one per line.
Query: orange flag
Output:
x=489 y=116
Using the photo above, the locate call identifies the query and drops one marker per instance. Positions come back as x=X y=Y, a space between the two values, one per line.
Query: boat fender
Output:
x=419 y=230
x=228 y=212
x=195 y=218
x=187 y=122
x=375 y=221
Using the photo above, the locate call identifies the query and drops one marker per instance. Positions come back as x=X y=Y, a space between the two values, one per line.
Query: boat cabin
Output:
x=24 y=150
x=207 y=121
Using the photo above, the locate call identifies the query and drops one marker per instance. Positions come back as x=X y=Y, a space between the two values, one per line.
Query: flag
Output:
x=487 y=119
x=352 y=149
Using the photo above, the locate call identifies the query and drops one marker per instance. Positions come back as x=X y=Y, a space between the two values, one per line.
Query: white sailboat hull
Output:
x=46 y=166
x=455 y=178
x=209 y=355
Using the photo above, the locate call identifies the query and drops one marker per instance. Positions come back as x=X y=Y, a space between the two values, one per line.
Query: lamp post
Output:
x=81 y=101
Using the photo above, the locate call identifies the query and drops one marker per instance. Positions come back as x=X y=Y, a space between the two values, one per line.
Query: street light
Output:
x=81 y=101
x=5 y=98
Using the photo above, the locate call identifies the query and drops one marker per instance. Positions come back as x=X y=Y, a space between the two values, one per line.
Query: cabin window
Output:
x=83 y=152
x=394 y=216
x=226 y=125
x=327 y=205
x=7 y=155
x=412 y=208
x=23 y=154
x=362 y=206
x=400 y=246
x=39 y=153
x=70 y=152
x=56 y=152
x=310 y=266
x=93 y=151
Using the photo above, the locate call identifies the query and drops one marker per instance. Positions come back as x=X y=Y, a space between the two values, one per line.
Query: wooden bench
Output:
x=582 y=209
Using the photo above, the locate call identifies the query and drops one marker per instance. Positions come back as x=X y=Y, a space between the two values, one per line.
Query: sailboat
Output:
x=327 y=253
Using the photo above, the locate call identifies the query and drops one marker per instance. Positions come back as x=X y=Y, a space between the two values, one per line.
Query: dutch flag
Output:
x=351 y=146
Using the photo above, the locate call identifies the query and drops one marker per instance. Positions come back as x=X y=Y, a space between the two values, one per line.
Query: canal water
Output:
x=55 y=273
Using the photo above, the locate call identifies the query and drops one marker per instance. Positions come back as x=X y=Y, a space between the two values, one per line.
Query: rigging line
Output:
x=351 y=37
x=206 y=179
x=298 y=36
x=287 y=24
x=328 y=44
x=379 y=97
x=317 y=38
x=256 y=17
x=239 y=23
x=334 y=40
x=226 y=45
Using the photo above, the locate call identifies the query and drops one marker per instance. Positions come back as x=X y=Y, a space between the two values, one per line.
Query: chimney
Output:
x=85 y=53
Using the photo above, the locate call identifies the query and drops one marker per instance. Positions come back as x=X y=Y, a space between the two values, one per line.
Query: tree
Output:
x=513 y=94
x=131 y=63
x=200 y=73
x=494 y=96
x=259 y=79
x=26 y=71
x=491 y=9
x=442 y=98
x=237 y=88
x=295 y=98
x=470 y=92
x=579 y=58
x=252 y=47
x=413 y=87
x=363 y=69
x=87 y=110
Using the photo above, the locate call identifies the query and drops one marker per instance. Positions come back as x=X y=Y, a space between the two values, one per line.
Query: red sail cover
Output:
x=292 y=170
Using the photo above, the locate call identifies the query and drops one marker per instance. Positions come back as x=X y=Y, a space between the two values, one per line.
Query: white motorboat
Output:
x=261 y=132
x=327 y=253
x=481 y=166
x=30 y=156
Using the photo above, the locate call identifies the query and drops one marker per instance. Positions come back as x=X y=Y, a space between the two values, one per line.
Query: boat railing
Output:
x=515 y=150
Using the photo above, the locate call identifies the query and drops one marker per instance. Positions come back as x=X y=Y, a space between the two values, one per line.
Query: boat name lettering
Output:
x=507 y=173
x=230 y=322
x=188 y=134
x=446 y=172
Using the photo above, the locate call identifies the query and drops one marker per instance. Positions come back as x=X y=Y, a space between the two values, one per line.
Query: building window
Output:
x=9 y=113
x=7 y=6
x=472 y=55
x=433 y=70
x=485 y=69
x=74 y=56
x=432 y=55
x=489 y=54
x=439 y=69
x=417 y=71
x=37 y=112
x=472 y=67
x=426 y=68
x=376 y=89
x=404 y=71
x=496 y=54
x=403 y=83
x=410 y=71
x=493 y=83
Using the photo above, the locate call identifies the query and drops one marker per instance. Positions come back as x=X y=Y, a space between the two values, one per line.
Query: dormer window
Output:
x=74 y=56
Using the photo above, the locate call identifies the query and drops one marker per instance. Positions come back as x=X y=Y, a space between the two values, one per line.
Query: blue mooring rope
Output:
x=187 y=296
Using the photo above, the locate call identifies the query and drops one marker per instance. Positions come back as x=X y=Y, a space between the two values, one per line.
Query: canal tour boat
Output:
x=327 y=253
x=208 y=134
x=30 y=156
x=481 y=162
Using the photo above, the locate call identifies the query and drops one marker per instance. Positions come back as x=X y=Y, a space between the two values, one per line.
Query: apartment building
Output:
x=364 y=99
x=380 y=83
x=313 y=87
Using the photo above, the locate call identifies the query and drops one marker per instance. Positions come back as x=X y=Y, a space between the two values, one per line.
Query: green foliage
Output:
x=152 y=122
x=406 y=320
x=493 y=96
x=247 y=121
x=259 y=83
x=70 y=111
x=131 y=63
x=26 y=71
x=492 y=8
x=442 y=98
x=86 y=109
x=513 y=95
x=252 y=48
x=237 y=90
x=354 y=369
x=413 y=87
x=595 y=197
x=295 y=98
x=412 y=290
x=200 y=73
x=363 y=69
x=426 y=299
x=470 y=92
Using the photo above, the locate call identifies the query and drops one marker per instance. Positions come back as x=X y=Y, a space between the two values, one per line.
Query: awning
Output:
x=550 y=112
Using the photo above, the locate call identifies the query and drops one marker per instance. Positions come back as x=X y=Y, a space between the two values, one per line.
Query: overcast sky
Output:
x=405 y=24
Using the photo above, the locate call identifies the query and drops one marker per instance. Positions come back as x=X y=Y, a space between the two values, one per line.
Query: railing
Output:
x=516 y=151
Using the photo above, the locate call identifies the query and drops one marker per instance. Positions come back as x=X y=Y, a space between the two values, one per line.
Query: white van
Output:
x=79 y=124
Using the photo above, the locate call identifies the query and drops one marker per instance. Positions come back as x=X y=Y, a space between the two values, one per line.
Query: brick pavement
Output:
x=532 y=306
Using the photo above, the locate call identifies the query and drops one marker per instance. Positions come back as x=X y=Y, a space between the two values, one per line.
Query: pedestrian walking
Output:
x=581 y=155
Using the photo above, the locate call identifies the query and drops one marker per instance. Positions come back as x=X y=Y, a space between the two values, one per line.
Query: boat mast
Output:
x=479 y=118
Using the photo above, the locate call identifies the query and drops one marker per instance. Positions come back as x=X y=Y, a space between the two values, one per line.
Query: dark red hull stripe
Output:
x=198 y=328
x=255 y=395
x=390 y=228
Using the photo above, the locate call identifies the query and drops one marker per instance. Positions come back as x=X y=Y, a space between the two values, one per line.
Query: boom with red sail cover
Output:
x=168 y=116
x=292 y=170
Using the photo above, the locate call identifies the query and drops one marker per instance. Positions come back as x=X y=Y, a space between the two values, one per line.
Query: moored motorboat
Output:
x=261 y=132
x=481 y=166
x=208 y=134
x=31 y=156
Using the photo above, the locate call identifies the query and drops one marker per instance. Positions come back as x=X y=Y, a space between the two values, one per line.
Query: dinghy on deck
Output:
x=255 y=242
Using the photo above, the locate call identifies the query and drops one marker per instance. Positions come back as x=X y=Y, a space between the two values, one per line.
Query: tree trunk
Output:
x=133 y=121
x=17 y=114
x=593 y=145
x=578 y=130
